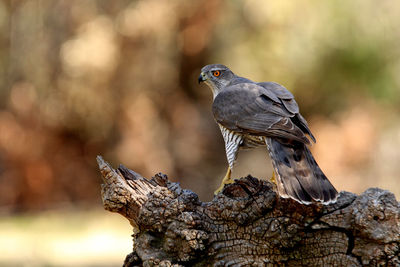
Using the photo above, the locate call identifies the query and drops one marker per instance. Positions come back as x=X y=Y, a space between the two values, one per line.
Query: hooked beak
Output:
x=202 y=77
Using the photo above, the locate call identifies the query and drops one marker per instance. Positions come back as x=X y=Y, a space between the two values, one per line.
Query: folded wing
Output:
x=259 y=109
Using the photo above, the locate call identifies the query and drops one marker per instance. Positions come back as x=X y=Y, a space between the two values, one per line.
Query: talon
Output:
x=216 y=192
x=272 y=179
x=226 y=180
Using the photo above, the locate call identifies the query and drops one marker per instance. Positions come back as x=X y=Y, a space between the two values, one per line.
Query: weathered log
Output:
x=248 y=224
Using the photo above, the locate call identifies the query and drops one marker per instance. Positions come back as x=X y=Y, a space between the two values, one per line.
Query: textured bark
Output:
x=248 y=224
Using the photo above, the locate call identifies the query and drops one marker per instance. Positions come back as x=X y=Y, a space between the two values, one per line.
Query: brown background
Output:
x=119 y=79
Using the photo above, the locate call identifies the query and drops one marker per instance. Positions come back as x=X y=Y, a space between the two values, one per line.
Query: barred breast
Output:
x=232 y=142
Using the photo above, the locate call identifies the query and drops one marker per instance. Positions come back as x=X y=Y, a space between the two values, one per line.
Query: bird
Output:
x=252 y=114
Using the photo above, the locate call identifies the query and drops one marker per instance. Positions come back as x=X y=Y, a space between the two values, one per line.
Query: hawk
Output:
x=252 y=114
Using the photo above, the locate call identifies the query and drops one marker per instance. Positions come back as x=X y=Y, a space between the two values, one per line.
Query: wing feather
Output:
x=283 y=94
x=247 y=108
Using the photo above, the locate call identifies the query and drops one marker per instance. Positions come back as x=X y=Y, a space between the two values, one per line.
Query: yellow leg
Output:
x=272 y=179
x=226 y=180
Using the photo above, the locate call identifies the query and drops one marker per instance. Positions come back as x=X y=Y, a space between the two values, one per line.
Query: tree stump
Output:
x=248 y=224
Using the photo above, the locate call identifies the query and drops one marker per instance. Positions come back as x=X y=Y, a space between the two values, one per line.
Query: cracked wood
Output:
x=249 y=225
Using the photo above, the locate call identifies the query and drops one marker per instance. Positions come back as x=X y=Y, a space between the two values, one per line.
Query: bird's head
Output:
x=216 y=76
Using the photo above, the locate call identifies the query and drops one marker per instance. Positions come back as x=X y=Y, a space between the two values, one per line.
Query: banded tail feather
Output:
x=298 y=174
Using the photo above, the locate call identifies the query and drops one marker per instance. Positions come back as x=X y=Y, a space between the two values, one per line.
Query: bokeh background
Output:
x=119 y=79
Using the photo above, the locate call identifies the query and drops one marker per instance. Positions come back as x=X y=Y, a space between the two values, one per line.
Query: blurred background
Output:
x=119 y=79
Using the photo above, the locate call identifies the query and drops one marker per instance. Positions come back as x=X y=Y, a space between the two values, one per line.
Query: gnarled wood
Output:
x=249 y=225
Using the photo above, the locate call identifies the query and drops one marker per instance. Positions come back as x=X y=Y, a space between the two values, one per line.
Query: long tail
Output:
x=298 y=174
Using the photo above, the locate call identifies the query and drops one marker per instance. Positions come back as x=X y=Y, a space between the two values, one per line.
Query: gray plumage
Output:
x=254 y=114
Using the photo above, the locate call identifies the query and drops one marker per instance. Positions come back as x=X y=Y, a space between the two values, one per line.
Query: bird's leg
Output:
x=226 y=180
x=273 y=179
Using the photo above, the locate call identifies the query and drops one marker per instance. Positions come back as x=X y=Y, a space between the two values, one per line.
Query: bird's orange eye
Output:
x=216 y=73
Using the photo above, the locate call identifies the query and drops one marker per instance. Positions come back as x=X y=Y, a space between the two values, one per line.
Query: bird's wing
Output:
x=287 y=99
x=248 y=108
x=282 y=94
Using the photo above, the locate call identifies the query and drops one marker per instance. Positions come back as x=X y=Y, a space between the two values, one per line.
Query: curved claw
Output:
x=226 y=180
x=273 y=179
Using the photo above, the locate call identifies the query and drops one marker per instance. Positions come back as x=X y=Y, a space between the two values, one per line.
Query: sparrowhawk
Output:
x=252 y=114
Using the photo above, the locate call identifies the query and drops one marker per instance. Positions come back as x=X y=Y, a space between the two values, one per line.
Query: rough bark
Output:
x=248 y=224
